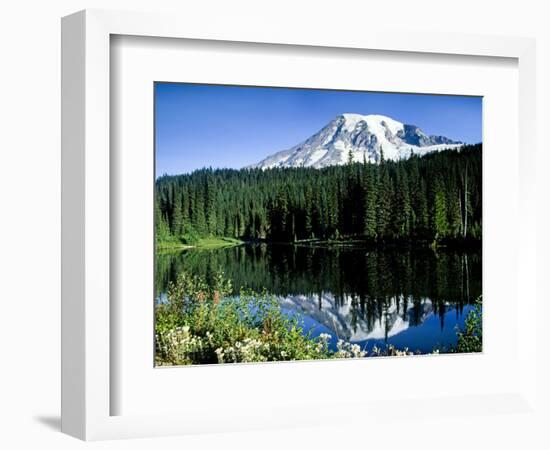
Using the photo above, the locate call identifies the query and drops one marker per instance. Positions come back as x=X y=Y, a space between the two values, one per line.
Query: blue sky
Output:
x=233 y=126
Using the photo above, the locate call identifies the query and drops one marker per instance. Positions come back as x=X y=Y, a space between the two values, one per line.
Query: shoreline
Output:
x=203 y=243
x=227 y=242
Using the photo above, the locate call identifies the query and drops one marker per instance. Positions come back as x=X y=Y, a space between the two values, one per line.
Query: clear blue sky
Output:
x=232 y=126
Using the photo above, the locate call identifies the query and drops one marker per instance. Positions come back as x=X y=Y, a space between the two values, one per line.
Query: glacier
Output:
x=365 y=137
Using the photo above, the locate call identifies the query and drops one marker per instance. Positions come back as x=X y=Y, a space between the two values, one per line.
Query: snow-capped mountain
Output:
x=365 y=135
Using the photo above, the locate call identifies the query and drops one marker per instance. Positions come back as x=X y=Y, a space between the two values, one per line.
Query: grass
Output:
x=211 y=242
x=203 y=242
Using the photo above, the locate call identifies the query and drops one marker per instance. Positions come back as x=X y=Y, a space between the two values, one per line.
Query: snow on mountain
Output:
x=366 y=136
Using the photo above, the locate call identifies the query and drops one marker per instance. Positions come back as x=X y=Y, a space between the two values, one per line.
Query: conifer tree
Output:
x=401 y=206
x=308 y=211
x=439 y=211
x=369 y=204
x=454 y=213
x=383 y=201
x=177 y=217
x=162 y=229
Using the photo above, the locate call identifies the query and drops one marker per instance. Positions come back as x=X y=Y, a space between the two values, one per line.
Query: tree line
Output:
x=430 y=198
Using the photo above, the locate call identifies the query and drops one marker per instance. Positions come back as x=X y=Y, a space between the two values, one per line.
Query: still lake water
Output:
x=407 y=298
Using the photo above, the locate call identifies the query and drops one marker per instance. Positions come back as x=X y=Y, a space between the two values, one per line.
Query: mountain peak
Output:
x=364 y=136
x=354 y=118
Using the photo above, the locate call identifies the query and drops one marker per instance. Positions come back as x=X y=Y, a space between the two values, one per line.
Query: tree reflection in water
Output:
x=355 y=293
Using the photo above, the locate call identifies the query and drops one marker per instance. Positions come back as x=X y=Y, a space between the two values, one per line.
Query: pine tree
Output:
x=162 y=229
x=420 y=207
x=278 y=216
x=369 y=204
x=465 y=204
x=383 y=202
x=210 y=207
x=177 y=217
x=308 y=213
x=454 y=213
x=439 y=211
x=401 y=206
x=199 y=216
x=350 y=157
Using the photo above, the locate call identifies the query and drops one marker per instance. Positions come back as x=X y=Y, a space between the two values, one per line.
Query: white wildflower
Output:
x=348 y=350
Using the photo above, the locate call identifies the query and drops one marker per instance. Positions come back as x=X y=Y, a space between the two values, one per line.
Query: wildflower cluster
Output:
x=179 y=345
x=202 y=323
x=348 y=350
x=249 y=350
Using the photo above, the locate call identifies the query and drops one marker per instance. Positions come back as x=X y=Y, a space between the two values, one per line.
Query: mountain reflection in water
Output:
x=410 y=298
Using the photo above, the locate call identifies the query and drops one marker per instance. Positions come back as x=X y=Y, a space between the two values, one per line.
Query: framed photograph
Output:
x=248 y=216
x=362 y=238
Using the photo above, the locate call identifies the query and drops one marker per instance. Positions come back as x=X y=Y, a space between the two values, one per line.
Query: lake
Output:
x=410 y=298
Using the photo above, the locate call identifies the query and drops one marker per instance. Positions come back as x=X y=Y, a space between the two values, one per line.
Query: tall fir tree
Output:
x=177 y=216
x=439 y=221
x=369 y=202
x=383 y=202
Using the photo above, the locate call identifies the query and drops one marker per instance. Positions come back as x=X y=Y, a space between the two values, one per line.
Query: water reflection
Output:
x=407 y=297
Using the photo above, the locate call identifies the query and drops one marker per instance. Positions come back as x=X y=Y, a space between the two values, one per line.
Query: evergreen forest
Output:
x=434 y=198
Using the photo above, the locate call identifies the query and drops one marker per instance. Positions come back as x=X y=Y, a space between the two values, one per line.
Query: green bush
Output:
x=470 y=339
x=201 y=323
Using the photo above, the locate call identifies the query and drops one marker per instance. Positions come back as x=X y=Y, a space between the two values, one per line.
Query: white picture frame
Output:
x=87 y=325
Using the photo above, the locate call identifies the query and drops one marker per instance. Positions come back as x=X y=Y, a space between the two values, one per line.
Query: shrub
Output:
x=470 y=339
x=201 y=323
